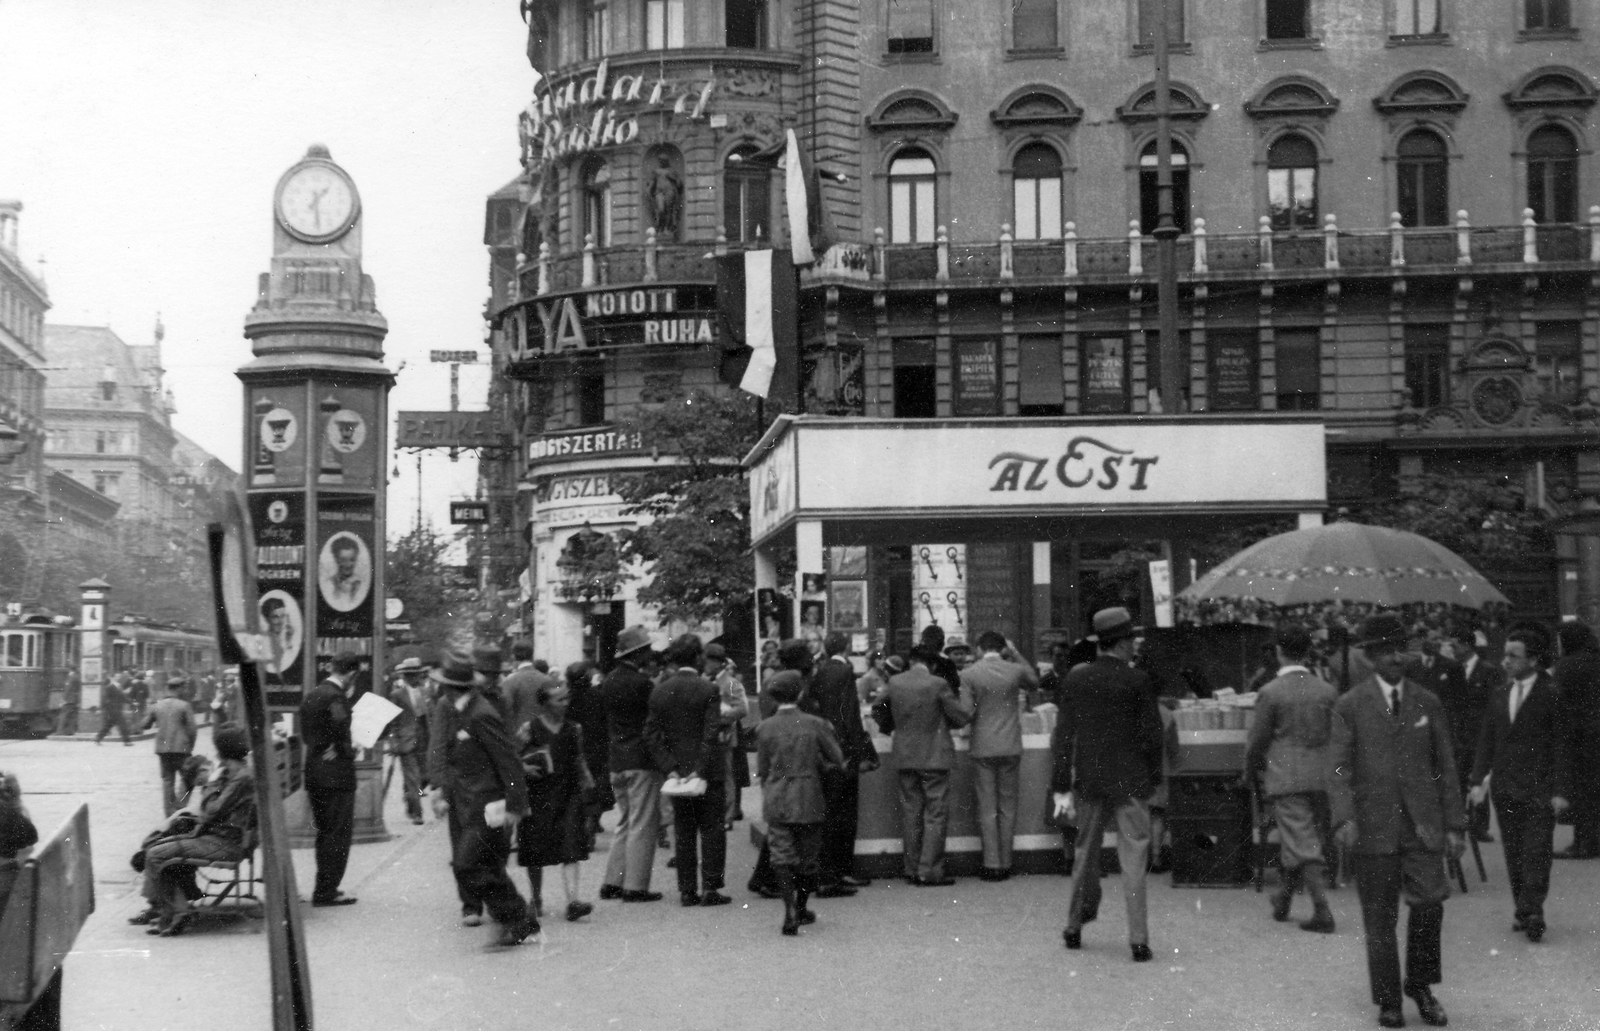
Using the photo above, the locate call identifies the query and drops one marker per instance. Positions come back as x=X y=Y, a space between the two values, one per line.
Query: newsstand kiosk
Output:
x=984 y=524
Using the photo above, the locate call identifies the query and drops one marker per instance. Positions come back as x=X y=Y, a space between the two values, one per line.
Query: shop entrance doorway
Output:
x=601 y=624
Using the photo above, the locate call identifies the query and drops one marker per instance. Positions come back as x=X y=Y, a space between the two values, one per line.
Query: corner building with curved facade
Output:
x=1389 y=210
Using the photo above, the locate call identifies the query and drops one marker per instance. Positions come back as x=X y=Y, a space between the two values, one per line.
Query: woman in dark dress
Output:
x=587 y=710
x=552 y=834
x=17 y=834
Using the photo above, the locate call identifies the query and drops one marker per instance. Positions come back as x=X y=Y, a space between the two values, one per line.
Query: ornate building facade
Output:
x=1389 y=218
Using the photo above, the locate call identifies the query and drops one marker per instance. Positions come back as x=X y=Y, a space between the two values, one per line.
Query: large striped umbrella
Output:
x=1346 y=562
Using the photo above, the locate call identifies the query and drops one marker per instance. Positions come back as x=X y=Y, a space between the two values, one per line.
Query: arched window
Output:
x=1423 y=188
x=746 y=198
x=1553 y=175
x=597 y=202
x=1148 y=198
x=912 y=214
x=1292 y=182
x=1036 y=189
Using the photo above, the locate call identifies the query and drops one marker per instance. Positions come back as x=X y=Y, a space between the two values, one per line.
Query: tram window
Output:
x=15 y=650
x=32 y=658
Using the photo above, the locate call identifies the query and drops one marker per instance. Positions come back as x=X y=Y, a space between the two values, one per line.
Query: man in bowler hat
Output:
x=1397 y=808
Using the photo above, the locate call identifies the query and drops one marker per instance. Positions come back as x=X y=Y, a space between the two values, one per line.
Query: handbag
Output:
x=538 y=763
x=684 y=787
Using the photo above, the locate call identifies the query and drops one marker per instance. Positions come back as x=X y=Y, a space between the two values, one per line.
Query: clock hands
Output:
x=316 y=205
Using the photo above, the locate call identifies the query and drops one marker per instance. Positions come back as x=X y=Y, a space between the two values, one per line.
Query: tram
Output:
x=36 y=651
x=134 y=642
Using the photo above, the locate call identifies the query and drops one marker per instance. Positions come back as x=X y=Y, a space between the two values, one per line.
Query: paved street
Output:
x=974 y=956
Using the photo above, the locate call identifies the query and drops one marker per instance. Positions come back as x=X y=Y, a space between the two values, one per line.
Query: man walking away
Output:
x=331 y=777
x=683 y=731
x=1288 y=755
x=635 y=777
x=489 y=793
x=996 y=687
x=520 y=690
x=1397 y=807
x=1577 y=678
x=1107 y=756
x=113 y=711
x=833 y=686
x=175 y=733
x=922 y=707
x=1522 y=753
x=794 y=751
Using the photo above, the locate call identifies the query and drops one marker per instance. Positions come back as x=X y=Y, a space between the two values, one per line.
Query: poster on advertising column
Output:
x=277 y=427
x=280 y=528
x=344 y=569
x=347 y=442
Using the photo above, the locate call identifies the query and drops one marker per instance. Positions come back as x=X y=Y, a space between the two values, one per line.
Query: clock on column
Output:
x=317 y=202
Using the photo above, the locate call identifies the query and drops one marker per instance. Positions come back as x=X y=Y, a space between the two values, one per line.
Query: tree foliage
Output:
x=696 y=546
x=439 y=602
x=1482 y=517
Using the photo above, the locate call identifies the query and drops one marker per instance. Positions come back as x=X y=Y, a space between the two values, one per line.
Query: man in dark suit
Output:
x=1107 y=758
x=1396 y=804
x=1577 y=678
x=921 y=708
x=683 y=731
x=487 y=790
x=114 y=709
x=1522 y=758
x=635 y=775
x=404 y=734
x=794 y=752
x=1479 y=681
x=331 y=777
x=833 y=689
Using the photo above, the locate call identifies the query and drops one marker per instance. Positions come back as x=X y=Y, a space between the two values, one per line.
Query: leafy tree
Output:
x=439 y=601
x=696 y=547
x=1480 y=517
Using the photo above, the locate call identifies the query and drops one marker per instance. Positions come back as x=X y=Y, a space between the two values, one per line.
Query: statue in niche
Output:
x=664 y=190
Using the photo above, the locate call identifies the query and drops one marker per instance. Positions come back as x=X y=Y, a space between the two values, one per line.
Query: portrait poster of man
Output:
x=344 y=572
x=284 y=627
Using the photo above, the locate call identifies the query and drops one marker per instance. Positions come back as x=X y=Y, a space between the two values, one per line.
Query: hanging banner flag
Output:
x=756 y=295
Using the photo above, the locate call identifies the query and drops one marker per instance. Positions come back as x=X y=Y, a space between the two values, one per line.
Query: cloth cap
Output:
x=231 y=741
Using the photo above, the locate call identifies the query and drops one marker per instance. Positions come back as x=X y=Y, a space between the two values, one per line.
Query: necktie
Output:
x=1394 y=702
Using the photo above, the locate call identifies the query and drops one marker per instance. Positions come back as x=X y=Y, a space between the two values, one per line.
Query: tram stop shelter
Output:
x=978 y=524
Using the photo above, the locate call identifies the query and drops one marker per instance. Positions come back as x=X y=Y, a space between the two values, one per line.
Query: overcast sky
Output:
x=145 y=137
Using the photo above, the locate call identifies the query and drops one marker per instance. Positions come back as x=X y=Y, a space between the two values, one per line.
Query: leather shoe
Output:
x=1074 y=939
x=935 y=882
x=578 y=910
x=1321 y=923
x=766 y=891
x=336 y=899
x=149 y=916
x=688 y=898
x=1141 y=953
x=856 y=882
x=714 y=898
x=1534 y=930
x=1281 y=901
x=1518 y=925
x=835 y=891
x=1432 y=1013
x=514 y=934
x=641 y=896
x=611 y=891
x=1390 y=1016
x=471 y=918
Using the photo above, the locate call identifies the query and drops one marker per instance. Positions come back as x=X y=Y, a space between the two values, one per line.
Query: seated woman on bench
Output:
x=224 y=833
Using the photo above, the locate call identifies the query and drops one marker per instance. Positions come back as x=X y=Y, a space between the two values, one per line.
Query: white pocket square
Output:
x=1423 y=722
x=462 y=735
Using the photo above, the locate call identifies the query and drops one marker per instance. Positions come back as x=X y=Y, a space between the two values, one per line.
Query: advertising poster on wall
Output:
x=280 y=528
x=1105 y=376
x=344 y=571
x=849 y=600
x=277 y=427
x=347 y=442
x=977 y=378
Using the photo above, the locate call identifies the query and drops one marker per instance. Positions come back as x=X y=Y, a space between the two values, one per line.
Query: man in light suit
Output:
x=1396 y=804
x=175 y=734
x=1288 y=751
x=1522 y=758
x=1107 y=756
x=921 y=707
x=994 y=687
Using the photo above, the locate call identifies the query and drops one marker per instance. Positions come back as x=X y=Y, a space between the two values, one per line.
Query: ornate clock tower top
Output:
x=316 y=307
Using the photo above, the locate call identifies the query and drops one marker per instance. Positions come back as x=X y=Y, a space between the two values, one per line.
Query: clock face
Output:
x=317 y=202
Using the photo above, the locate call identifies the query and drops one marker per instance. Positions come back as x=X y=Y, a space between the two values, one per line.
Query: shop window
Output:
x=912 y=212
x=1036 y=191
x=1150 y=20
x=1288 y=19
x=597 y=30
x=746 y=198
x=1556 y=360
x=1427 y=351
x=1299 y=365
x=910 y=27
x=1148 y=194
x=1553 y=175
x=1547 y=15
x=1417 y=18
x=1039 y=391
x=589 y=397
x=745 y=24
x=1034 y=25
x=1105 y=384
x=663 y=24
x=597 y=202
x=1292 y=183
x=1422 y=192
x=916 y=381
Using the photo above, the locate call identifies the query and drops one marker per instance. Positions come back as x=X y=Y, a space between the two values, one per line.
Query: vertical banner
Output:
x=346 y=438
x=279 y=519
x=1161 y=591
x=344 y=571
x=278 y=432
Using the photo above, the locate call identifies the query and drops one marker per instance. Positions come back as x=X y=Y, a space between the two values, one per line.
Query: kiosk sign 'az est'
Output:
x=1085 y=461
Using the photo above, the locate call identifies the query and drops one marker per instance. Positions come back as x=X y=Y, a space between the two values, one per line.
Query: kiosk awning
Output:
x=891 y=471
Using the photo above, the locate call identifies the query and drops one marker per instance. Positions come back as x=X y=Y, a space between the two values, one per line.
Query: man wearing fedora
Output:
x=1396 y=803
x=636 y=777
x=173 y=719
x=405 y=731
x=1107 y=753
x=330 y=776
x=487 y=791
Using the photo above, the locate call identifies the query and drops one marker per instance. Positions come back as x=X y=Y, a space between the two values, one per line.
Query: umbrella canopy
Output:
x=1346 y=562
